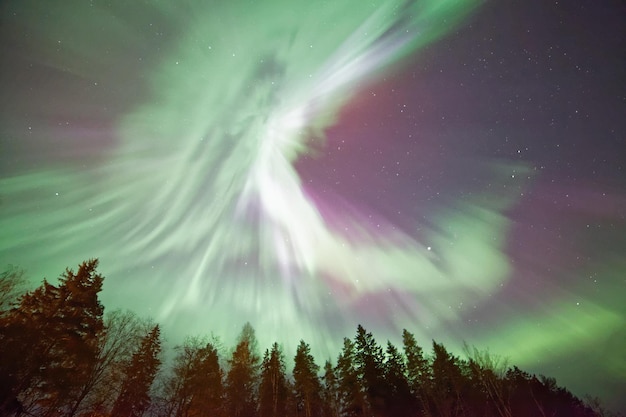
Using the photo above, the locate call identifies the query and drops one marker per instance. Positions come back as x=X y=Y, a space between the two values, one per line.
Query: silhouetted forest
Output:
x=61 y=355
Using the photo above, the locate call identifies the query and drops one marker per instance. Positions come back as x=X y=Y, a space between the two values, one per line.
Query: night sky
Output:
x=451 y=167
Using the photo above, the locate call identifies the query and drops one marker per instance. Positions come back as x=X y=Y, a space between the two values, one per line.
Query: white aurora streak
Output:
x=200 y=205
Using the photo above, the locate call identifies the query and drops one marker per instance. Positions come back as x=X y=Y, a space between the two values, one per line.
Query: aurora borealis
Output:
x=451 y=167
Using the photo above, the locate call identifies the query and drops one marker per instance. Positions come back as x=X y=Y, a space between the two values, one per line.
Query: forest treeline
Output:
x=61 y=355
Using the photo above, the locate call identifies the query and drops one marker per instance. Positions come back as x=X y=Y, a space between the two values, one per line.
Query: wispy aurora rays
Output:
x=197 y=212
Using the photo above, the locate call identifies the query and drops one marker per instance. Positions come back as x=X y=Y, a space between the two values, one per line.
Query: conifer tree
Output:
x=400 y=402
x=369 y=360
x=134 y=397
x=208 y=398
x=195 y=385
x=50 y=340
x=447 y=383
x=58 y=358
x=419 y=374
x=349 y=389
x=329 y=396
x=273 y=388
x=242 y=377
x=306 y=382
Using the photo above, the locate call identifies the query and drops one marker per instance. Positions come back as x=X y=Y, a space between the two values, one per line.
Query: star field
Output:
x=450 y=167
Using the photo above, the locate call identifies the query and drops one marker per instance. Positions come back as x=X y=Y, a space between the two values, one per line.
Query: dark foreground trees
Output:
x=273 y=389
x=134 y=397
x=60 y=356
x=307 y=386
x=49 y=343
x=194 y=386
x=242 y=377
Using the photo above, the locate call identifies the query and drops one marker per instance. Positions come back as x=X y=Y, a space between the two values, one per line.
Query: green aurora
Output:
x=167 y=142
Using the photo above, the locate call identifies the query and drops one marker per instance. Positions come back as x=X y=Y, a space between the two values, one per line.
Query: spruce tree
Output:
x=134 y=397
x=273 y=387
x=195 y=385
x=419 y=375
x=330 y=394
x=349 y=389
x=242 y=377
x=447 y=383
x=400 y=401
x=208 y=397
x=369 y=359
x=306 y=382
x=50 y=341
